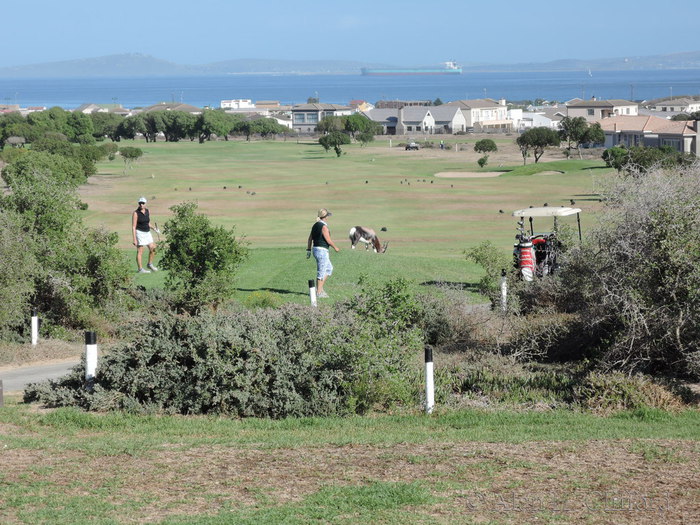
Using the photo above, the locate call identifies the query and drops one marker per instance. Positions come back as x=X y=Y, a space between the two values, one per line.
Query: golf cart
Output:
x=536 y=254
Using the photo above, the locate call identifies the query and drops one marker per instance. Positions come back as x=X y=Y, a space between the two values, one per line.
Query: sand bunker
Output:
x=468 y=174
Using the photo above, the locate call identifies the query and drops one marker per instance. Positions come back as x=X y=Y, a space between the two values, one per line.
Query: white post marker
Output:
x=90 y=357
x=504 y=291
x=312 y=292
x=35 y=327
x=429 y=382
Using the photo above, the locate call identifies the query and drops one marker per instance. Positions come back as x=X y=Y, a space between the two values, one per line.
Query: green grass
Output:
x=120 y=433
x=66 y=467
x=429 y=222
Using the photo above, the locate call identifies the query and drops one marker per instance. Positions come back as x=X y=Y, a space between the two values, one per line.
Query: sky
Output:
x=391 y=32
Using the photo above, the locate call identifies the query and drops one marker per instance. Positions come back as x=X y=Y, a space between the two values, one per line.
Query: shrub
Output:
x=290 y=361
x=604 y=393
x=635 y=284
x=483 y=161
x=485 y=146
x=202 y=259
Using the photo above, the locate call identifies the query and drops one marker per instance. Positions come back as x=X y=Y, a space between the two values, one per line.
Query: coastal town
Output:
x=661 y=122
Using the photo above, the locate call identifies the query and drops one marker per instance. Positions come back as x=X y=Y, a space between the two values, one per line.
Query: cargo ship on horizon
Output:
x=448 y=68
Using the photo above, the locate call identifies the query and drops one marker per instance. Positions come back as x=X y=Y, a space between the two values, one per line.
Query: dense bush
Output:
x=290 y=361
x=72 y=274
x=201 y=259
x=634 y=286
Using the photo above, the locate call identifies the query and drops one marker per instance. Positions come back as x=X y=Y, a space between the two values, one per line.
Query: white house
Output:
x=448 y=119
x=594 y=110
x=237 y=103
x=678 y=105
x=305 y=117
x=415 y=119
x=484 y=114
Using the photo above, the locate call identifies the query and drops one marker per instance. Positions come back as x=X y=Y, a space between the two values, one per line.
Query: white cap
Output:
x=142 y=199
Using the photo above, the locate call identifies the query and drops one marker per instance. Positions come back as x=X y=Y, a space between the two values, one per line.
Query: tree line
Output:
x=173 y=126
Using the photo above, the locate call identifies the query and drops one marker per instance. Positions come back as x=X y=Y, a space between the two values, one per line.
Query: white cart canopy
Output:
x=547 y=211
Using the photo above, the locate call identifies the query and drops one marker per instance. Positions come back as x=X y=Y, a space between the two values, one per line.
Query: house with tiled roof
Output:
x=593 y=110
x=305 y=117
x=650 y=131
x=484 y=114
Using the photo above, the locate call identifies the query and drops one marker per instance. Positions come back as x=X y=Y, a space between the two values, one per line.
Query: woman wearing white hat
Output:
x=141 y=228
x=320 y=238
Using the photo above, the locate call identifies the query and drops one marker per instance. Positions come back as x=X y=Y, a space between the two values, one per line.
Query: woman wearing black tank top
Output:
x=141 y=229
x=320 y=238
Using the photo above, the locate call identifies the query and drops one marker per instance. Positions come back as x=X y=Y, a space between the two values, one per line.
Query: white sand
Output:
x=468 y=174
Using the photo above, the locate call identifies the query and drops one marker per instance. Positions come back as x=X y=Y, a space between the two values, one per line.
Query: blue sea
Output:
x=340 y=89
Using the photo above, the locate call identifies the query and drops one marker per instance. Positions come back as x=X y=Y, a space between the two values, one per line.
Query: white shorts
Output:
x=143 y=238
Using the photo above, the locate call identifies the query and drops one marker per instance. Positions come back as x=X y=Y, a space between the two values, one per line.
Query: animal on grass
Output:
x=368 y=237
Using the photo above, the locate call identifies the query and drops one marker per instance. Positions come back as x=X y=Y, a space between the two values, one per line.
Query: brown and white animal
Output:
x=367 y=236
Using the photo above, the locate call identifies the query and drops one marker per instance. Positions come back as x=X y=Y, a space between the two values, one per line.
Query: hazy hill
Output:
x=140 y=65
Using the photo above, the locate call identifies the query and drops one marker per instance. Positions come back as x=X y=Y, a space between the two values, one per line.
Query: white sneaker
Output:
x=143 y=270
x=152 y=267
x=322 y=295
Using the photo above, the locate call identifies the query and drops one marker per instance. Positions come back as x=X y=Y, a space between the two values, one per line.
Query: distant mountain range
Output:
x=140 y=65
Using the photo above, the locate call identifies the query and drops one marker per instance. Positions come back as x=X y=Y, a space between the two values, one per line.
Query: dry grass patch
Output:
x=506 y=482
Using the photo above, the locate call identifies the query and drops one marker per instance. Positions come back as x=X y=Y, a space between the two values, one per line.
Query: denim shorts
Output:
x=324 y=268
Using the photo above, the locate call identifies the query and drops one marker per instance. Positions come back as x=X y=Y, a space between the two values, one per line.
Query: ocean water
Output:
x=340 y=89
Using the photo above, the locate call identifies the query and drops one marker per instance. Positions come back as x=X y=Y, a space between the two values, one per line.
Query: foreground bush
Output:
x=290 y=361
x=74 y=275
x=634 y=287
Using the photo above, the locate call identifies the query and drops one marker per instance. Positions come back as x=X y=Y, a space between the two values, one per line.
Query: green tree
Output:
x=130 y=154
x=358 y=123
x=334 y=139
x=106 y=124
x=537 y=140
x=80 y=128
x=64 y=169
x=53 y=119
x=695 y=115
x=153 y=124
x=576 y=131
x=177 y=125
x=365 y=137
x=78 y=271
x=212 y=122
x=17 y=272
x=485 y=146
x=640 y=159
x=130 y=127
x=201 y=259
x=8 y=120
x=615 y=157
x=437 y=102
x=331 y=123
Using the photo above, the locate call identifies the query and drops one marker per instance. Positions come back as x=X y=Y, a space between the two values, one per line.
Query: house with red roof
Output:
x=651 y=131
